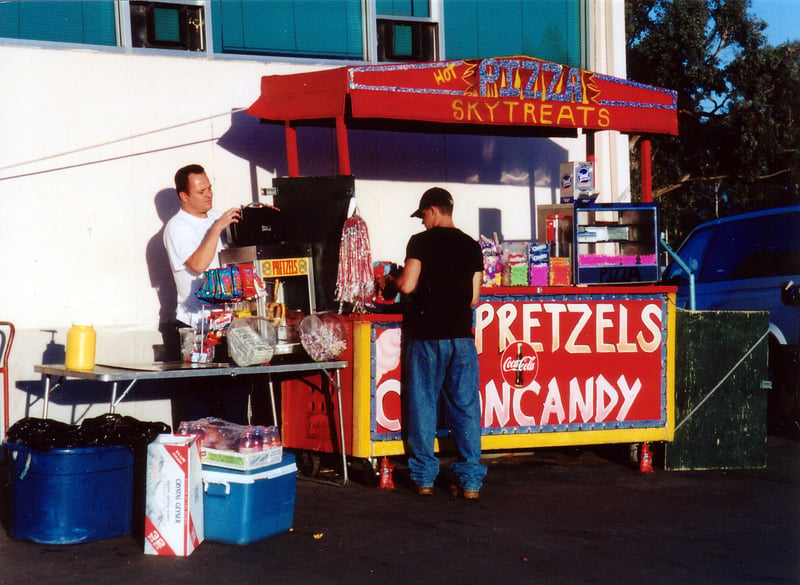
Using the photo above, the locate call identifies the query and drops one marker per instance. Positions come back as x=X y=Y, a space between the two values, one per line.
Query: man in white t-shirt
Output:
x=193 y=238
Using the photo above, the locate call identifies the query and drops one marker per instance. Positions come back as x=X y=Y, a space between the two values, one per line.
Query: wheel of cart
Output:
x=313 y=464
x=308 y=463
x=364 y=470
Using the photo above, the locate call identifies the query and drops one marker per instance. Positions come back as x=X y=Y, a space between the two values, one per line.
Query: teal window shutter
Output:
x=461 y=30
x=303 y=28
x=99 y=23
x=9 y=19
x=552 y=31
x=544 y=29
x=88 y=23
x=415 y=8
x=500 y=31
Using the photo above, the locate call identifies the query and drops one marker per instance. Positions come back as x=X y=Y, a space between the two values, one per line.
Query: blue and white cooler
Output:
x=242 y=507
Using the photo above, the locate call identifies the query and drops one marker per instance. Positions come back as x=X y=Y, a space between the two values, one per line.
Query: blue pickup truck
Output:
x=751 y=262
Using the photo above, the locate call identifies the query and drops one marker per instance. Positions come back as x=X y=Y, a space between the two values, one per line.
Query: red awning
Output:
x=509 y=91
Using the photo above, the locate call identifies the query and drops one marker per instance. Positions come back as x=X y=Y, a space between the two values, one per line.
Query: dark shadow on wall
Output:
x=167 y=204
x=391 y=150
x=261 y=145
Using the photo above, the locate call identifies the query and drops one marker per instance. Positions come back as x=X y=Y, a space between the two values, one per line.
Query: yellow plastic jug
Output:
x=81 y=343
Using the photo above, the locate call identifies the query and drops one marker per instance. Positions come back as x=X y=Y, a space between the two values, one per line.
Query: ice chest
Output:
x=241 y=507
x=67 y=496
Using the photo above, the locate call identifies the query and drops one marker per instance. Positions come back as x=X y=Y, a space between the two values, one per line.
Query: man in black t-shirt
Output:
x=442 y=277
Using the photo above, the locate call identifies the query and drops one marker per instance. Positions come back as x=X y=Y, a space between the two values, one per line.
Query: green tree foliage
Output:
x=738 y=109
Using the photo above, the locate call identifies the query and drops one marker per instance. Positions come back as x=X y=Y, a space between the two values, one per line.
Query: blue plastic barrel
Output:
x=67 y=496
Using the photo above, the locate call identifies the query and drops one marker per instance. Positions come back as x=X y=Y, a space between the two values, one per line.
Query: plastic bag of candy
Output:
x=323 y=336
x=492 y=261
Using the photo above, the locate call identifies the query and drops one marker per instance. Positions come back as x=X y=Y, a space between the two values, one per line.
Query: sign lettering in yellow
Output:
x=283 y=267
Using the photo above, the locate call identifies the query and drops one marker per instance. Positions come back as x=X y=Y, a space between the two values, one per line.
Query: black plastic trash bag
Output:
x=102 y=431
x=45 y=434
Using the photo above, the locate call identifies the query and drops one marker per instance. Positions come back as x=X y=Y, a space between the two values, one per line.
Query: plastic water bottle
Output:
x=81 y=344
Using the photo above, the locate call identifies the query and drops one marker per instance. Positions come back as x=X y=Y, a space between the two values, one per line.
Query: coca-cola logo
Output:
x=519 y=364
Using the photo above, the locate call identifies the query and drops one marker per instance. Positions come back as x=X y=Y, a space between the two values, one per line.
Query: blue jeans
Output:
x=449 y=366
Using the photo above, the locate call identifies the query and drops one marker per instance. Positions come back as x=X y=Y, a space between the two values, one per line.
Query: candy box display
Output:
x=323 y=336
x=539 y=260
x=240 y=447
x=241 y=507
x=492 y=254
x=515 y=264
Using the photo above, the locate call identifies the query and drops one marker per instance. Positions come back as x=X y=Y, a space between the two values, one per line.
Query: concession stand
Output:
x=587 y=362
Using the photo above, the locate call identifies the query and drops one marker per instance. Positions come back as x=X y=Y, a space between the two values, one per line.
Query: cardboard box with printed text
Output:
x=174 y=496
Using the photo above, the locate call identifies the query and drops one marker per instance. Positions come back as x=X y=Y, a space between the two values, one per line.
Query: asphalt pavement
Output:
x=552 y=516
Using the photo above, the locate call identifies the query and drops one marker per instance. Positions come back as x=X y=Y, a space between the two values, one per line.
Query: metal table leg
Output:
x=116 y=400
x=337 y=384
x=47 y=390
x=272 y=400
x=46 y=395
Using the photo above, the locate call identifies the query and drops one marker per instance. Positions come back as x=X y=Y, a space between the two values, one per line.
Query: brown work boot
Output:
x=466 y=494
x=425 y=490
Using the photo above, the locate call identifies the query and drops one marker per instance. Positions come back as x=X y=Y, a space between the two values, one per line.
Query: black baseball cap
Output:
x=431 y=197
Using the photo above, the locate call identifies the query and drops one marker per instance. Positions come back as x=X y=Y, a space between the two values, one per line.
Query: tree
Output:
x=738 y=104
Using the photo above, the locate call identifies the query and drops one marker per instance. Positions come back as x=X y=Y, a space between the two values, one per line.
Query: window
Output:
x=161 y=25
x=757 y=247
x=406 y=31
x=407 y=41
x=692 y=252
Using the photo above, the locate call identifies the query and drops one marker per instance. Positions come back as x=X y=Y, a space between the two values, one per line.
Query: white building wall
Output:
x=90 y=143
x=608 y=56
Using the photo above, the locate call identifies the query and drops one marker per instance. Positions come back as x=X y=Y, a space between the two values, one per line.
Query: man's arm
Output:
x=408 y=279
x=201 y=258
x=477 y=281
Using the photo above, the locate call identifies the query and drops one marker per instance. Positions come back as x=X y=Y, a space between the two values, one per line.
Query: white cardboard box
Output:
x=174 y=496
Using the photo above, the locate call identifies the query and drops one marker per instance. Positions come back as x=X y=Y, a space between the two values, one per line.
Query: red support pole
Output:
x=291 y=150
x=647 y=176
x=9 y=339
x=342 y=146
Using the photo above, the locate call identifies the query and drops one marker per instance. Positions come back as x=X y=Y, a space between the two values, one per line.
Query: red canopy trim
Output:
x=302 y=96
x=518 y=91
